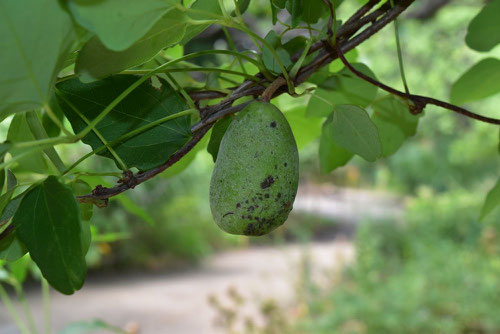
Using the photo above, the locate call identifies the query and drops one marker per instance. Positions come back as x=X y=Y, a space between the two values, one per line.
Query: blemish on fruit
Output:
x=268 y=181
x=273 y=124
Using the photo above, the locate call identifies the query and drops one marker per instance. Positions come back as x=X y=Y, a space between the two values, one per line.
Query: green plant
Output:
x=103 y=74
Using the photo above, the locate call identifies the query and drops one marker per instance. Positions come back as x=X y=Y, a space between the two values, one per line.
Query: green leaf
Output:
x=208 y=6
x=48 y=223
x=394 y=123
x=483 y=33
x=305 y=130
x=11 y=208
x=19 y=131
x=269 y=60
x=119 y=23
x=87 y=326
x=5 y=199
x=320 y=103
x=313 y=10
x=11 y=249
x=218 y=132
x=37 y=36
x=331 y=155
x=4 y=147
x=353 y=130
x=131 y=207
x=48 y=124
x=295 y=8
x=11 y=180
x=480 y=81
x=492 y=201
x=95 y=61
x=243 y=5
x=342 y=88
x=19 y=268
x=141 y=107
x=279 y=3
x=295 y=45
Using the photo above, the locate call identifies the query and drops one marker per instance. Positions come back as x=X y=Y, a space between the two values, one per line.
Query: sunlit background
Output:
x=390 y=247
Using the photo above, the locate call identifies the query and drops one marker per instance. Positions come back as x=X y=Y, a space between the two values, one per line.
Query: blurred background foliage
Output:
x=434 y=271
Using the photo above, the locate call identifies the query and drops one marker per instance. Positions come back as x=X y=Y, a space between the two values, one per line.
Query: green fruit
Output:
x=256 y=174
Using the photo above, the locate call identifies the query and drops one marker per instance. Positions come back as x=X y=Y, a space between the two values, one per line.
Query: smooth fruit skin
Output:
x=256 y=175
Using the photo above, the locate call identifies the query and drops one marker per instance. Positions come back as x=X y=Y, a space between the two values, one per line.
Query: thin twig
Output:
x=272 y=88
x=419 y=101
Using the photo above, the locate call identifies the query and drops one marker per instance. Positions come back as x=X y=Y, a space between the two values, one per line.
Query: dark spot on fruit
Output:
x=272 y=152
x=256 y=206
x=267 y=182
x=256 y=154
x=242 y=217
x=273 y=124
x=275 y=166
x=286 y=205
x=260 y=198
x=279 y=195
x=229 y=213
x=266 y=195
x=285 y=164
x=238 y=205
x=251 y=208
x=246 y=201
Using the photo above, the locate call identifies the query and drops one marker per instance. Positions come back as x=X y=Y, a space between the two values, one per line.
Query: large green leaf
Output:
x=19 y=131
x=95 y=61
x=119 y=23
x=36 y=37
x=480 y=81
x=141 y=107
x=48 y=223
x=207 y=6
x=394 y=123
x=353 y=130
x=484 y=29
x=331 y=155
x=342 y=87
x=492 y=200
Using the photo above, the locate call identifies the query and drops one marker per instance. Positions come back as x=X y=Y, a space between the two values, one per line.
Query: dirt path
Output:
x=178 y=303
